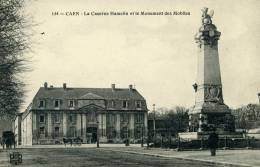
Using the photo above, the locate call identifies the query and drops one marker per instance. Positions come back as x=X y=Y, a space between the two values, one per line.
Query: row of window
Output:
x=125 y=104
x=56 y=118
x=124 y=118
x=57 y=132
x=71 y=103
x=57 y=103
x=111 y=118
x=110 y=133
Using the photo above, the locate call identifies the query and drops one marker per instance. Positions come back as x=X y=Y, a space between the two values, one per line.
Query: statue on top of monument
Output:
x=206 y=18
x=208 y=33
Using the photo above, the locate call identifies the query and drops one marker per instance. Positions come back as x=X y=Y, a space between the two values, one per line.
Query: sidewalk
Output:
x=223 y=157
x=78 y=146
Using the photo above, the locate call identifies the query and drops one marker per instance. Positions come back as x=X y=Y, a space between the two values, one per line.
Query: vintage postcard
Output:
x=129 y=83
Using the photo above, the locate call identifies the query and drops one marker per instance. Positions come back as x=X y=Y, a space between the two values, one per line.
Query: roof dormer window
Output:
x=41 y=104
x=125 y=104
x=138 y=104
x=71 y=103
x=57 y=103
x=112 y=104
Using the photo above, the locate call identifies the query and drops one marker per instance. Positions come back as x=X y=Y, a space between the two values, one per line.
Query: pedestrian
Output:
x=70 y=142
x=213 y=143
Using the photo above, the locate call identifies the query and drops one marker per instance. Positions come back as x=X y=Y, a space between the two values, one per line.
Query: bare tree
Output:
x=174 y=120
x=247 y=116
x=14 y=41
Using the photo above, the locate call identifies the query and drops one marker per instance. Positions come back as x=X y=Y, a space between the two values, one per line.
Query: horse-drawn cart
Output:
x=8 y=139
x=76 y=141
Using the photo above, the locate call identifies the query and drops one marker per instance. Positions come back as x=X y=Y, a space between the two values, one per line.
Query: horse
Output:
x=67 y=140
x=76 y=141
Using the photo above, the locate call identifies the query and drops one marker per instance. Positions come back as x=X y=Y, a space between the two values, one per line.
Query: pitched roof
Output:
x=91 y=96
x=88 y=93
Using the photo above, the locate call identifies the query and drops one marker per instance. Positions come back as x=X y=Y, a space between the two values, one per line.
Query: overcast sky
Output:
x=157 y=54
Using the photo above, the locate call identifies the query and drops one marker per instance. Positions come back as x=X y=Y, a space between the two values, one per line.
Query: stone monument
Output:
x=209 y=112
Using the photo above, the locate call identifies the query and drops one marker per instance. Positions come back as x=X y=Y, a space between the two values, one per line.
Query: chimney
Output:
x=45 y=85
x=64 y=86
x=130 y=87
x=259 y=97
x=113 y=86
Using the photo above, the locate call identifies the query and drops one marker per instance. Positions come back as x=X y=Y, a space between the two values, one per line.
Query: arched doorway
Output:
x=91 y=134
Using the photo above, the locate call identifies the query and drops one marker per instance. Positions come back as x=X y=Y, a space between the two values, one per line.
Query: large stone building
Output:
x=111 y=114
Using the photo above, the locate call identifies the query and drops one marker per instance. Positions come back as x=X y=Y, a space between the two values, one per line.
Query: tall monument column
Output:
x=209 y=112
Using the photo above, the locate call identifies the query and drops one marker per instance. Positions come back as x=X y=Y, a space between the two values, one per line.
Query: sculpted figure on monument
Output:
x=214 y=94
x=208 y=33
x=206 y=18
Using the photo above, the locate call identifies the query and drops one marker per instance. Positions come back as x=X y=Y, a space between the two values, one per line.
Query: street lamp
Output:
x=97 y=135
x=142 y=142
x=127 y=137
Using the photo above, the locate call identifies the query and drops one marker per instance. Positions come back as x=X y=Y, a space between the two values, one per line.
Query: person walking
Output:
x=213 y=143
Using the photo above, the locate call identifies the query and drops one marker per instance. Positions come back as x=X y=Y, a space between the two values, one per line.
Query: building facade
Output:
x=109 y=114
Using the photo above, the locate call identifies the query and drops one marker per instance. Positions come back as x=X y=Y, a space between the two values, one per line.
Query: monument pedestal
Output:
x=210 y=116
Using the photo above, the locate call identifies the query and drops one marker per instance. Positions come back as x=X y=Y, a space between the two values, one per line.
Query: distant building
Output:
x=111 y=113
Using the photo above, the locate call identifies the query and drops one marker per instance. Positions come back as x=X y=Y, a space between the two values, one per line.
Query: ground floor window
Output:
x=72 y=132
x=111 y=132
x=42 y=130
x=42 y=119
x=56 y=131
x=124 y=133
x=138 y=132
x=139 y=118
x=72 y=118
x=110 y=119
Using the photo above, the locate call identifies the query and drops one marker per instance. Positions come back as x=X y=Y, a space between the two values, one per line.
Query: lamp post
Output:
x=97 y=135
x=142 y=142
x=127 y=137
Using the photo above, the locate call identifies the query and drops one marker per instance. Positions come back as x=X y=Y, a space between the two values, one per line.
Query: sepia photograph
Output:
x=129 y=83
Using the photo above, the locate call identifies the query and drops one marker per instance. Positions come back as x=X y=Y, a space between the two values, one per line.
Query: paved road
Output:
x=52 y=157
